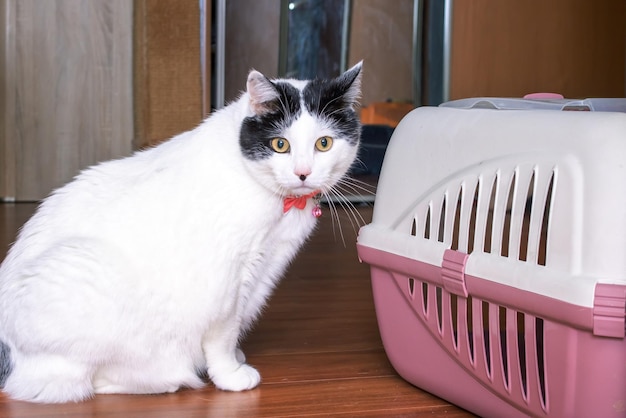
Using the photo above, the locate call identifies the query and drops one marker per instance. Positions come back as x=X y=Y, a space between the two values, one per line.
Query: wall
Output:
x=252 y=41
x=379 y=34
x=382 y=36
x=510 y=48
x=167 y=73
x=65 y=90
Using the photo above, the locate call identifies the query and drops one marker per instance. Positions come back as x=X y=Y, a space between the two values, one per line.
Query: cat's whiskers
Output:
x=334 y=216
x=335 y=112
x=281 y=192
x=284 y=109
x=328 y=104
x=338 y=191
x=319 y=100
x=358 y=186
x=354 y=216
x=359 y=163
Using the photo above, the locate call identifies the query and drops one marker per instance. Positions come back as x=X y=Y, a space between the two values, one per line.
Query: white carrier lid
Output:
x=544 y=101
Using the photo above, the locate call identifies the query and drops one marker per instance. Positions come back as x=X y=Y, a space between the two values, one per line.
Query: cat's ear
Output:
x=349 y=84
x=261 y=92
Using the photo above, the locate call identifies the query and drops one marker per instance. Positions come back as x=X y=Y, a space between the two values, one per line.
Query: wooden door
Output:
x=65 y=90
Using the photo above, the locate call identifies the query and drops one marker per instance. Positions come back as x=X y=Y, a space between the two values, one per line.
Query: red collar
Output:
x=297 y=201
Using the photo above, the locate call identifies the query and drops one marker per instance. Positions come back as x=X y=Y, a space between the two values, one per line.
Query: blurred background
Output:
x=83 y=81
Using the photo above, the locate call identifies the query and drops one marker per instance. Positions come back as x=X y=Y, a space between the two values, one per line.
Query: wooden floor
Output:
x=317 y=348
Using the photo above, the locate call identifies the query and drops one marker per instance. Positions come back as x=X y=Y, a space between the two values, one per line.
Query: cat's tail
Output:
x=6 y=364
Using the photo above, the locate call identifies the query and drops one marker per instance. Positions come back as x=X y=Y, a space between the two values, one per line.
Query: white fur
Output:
x=144 y=270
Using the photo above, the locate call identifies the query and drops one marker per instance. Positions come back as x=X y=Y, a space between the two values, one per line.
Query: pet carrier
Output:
x=498 y=256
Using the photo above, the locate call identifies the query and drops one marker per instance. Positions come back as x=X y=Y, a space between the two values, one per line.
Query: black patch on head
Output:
x=258 y=131
x=332 y=100
x=6 y=365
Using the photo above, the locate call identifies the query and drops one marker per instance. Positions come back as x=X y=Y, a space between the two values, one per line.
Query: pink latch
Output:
x=543 y=96
x=609 y=310
x=453 y=272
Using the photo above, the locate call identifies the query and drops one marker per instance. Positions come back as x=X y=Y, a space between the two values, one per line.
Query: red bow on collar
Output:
x=298 y=201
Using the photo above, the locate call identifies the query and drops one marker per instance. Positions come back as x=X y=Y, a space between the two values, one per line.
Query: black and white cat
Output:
x=142 y=274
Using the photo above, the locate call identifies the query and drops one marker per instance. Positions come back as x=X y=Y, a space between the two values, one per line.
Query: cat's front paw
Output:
x=243 y=378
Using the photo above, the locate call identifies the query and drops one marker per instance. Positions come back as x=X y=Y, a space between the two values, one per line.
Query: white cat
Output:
x=141 y=275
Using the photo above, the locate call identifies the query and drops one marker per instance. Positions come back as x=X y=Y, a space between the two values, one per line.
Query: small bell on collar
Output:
x=317 y=211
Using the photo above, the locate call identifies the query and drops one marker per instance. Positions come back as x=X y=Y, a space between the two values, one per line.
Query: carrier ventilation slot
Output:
x=411 y=287
x=440 y=311
x=506 y=228
x=442 y=221
x=505 y=214
x=513 y=347
x=501 y=346
x=523 y=250
x=425 y=298
x=545 y=225
x=472 y=223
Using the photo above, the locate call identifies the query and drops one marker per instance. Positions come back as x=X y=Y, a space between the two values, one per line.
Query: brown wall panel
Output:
x=65 y=94
x=381 y=35
x=511 y=47
x=167 y=70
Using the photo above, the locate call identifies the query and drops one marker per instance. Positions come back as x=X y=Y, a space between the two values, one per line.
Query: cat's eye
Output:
x=280 y=145
x=324 y=143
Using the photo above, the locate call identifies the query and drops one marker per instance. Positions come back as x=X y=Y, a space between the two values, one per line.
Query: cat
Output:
x=143 y=273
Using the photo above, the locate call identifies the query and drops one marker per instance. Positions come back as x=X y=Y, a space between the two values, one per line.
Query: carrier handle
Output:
x=544 y=96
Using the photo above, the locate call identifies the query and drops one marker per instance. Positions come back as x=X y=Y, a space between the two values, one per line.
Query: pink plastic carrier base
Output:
x=551 y=369
x=498 y=260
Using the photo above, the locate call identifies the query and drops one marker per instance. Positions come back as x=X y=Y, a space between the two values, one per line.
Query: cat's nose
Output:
x=302 y=173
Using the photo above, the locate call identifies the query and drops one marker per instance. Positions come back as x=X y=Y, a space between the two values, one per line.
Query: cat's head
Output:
x=301 y=136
